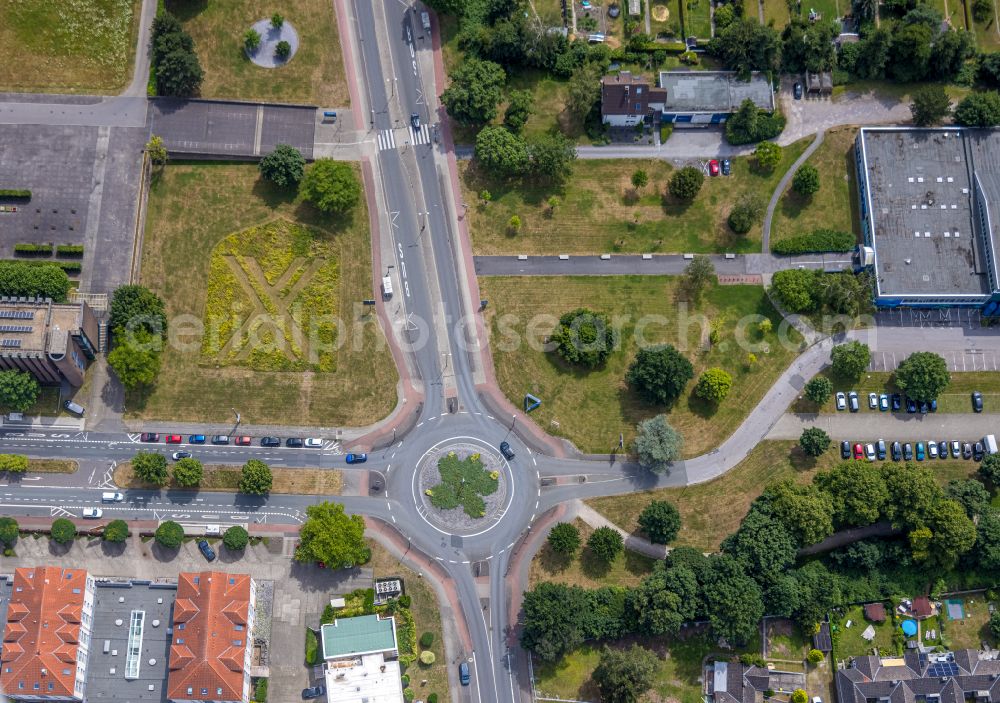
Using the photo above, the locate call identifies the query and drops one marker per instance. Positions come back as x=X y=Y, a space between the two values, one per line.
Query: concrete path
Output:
x=632 y=542
x=140 y=67
x=782 y=186
x=655 y=265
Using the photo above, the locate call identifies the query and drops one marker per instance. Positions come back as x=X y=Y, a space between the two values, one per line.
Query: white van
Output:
x=213 y=530
x=112 y=497
x=74 y=408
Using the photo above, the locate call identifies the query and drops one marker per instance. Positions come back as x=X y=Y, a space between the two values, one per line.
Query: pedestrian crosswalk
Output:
x=386 y=140
x=422 y=135
x=394 y=138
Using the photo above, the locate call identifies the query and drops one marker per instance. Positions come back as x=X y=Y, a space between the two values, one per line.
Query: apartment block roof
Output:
x=361 y=635
x=952 y=677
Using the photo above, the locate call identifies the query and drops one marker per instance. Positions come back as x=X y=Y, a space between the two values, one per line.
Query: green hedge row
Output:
x=70 y=267
x=25 y=248
x=817 y=242
x=69 y=250
x=15 y=193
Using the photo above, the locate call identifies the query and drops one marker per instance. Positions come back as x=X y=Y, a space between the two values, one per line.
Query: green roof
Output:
x=360 y=635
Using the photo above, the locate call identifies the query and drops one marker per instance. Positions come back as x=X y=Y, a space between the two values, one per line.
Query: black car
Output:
x=911 y=405
x=149 y=437
x=206 y=549
x=933 y=406
x=727 y=167
x=977 y=401
x=897 y=401
x=977 y=451
x=966 y=451
x=897 y=451
x=797 y=91
x=313 y=692
x=923 y=407
x=506 y=450
x=270 y=442
x=942 y=450
x=845 y=450
x=294 y=442
x=908 y=452
x=220 y=439
x=880 y=449
x=415 y=120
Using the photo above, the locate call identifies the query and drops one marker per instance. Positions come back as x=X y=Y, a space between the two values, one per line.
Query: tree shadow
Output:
x=592 y=565
x=273 y=195
x=801 y=461
x=113 y=549
x=161 y=553
x=792 y=204
x=185 y=10
x=57 y=549
x=552 y=561
x=704 y=409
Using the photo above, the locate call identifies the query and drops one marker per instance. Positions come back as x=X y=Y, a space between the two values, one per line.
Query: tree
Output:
x=914 y=492
x=606 y=543
x=115 y=532
x=551 y=157
x=520 y=106
x=553 y=615
x=135 y=358
x=18 y=390
x=796 y=289
x=767 y=155
x=856 y=492
x=135 y=307
x=664 y=600
x=979 y=109
x=865 y=9
x=255 y=478
x=923 y=375
x=745 y=46
x=584 y=90
x=799 y=696
x=659 y=373
x=623 y=676
x=333 y=537
x=733 y=601
x=235 y=538
x=661 y=521
x=698 y=274
x=331 y=186
x=22 y=278
x=982 y=10
x=911 y=52
x=763 y=545
x=63 y=531
x=169 y=534
x=987 y=548
x=814 y=441
x=657 y=444
x=251 y=41
x=284 y=167
x=745 y=213
x=564 y=538
x=283 y=50
x=514 y=224
x=501 y=152
x=850 y=359
x=970 y=494
x=750 y=124
x=8 y=532
x=475 y=91
x=157 y=150
x=804 y=510
x=277 y=21
x=150 y=467
x=995 y=624
x=805 y=182
x=713 y=385
x=819 y=390
x=724 y=17
x=953 y=533
x=809 y=46
x=179 y=74
x=640 y=179
x=685 y=183
x=584 y=337
x=14 y=463
x=951 y=49
x=989 y=469
x=930 y=106
x=188 y=472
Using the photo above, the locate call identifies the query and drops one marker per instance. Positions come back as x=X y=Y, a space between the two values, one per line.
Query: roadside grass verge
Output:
x=68 y=46
x=47 y=403
x=314 y=76
x=598 y=212
x=591 y=408
x=957 y=398
x=192 y=208
x=224 y=477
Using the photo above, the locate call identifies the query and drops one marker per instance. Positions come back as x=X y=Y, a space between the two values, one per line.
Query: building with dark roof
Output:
x=875 y=612
x=922 y=607
x=915 y=677
x=733 y=682
x=628 y=100
x=710 y=97
x=823 y=640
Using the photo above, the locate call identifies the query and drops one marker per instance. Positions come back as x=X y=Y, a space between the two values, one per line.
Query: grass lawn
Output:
x=47 y=403
x=315 y=75
x=549 y=12
x=550 y=112
x=222 y=477
x=585 y=569
x=192 y=208
x=68 y=46
x=427 y=618
x=834 y=205
x=972 y=630
x=697 y=18
x=778 y=12
x=591 y=408
x=848 y=642
x=52 y=466
x=987 y=33
x=597 y=213
x=955 y=399
x=665 y=19
x=785 y=640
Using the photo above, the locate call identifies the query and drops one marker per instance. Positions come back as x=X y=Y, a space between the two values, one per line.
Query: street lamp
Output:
x=237 y=425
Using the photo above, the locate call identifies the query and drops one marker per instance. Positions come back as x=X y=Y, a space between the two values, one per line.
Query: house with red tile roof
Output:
x=212 y=625
x=46 y=643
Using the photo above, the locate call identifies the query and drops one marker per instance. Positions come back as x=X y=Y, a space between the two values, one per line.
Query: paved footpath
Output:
x=649 y=264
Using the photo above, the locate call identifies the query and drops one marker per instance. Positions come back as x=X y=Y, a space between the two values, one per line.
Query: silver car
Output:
x=314 y=442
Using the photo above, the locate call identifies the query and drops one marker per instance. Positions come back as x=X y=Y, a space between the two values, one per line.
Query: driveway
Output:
x=855 y=107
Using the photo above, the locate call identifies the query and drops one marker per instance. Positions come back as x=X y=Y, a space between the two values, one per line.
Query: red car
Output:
x=244 y=441
x=859 y=451
x=713 y=168
x=174 y=439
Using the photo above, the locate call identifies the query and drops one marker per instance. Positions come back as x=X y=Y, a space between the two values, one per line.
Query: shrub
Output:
x=251 y=40
x=69 y=250
x=767 y=155
x=427 y=657
x=408 y=694
x=584 y=337
x=750 y=124
x=8 y=531
x=284 y=166
x=63 y=531
x=713 y=385
x=659 y=373
x=29 y=249
x=819 y=390
x=982 y=10
x=235 y=538
x=169 y=534
x=433 y=698
x=661 y=521
x=806 y=180
x=42 y=279
x=794 y=287
x=564 y=538
x=312 y=647
x=277 y=21
x=818 y=241
x=606 y=543
x=13 y=463
x=815 y=656
x=17 y=193
x=330 y=186
x=116 y=531
x=283 y=49
x=799 y=696
x=426 y=639
x=745 y=213
x=260 y=691
x=685 y=183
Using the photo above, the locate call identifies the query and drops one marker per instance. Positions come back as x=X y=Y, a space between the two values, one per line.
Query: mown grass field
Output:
x=67 y=46
x=600 y=212
x=591 y=408
x=585 y=569
x=192 y=208
x=314 y=76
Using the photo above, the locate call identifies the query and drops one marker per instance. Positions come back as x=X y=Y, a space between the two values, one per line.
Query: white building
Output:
x=361 y=660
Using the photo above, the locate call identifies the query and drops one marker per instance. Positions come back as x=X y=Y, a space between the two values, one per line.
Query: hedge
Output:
x=13 y=463
x=69 y=250
x=25 y=248
x=70 y=267
x=15 y=193
x=817 y=242
x=34 y=278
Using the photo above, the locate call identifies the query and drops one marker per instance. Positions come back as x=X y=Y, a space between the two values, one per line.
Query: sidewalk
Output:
x=632 y=542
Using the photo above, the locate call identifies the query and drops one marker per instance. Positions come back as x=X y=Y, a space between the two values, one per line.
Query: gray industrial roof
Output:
x=714 y=91
x=919 y=182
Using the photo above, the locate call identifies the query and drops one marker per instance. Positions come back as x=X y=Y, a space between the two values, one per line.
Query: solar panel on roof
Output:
x=10 y=343
x=15 y=328
x=17 y=314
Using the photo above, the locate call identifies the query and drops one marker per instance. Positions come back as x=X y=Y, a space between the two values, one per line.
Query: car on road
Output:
x=92 y=513
x=897 y=402
x=463 y=674
x=177 y=456
x=932 y=450
x=845 y=450
x=244 y=441
x=713 y=168
x=920 y=451
x=956 y=449
x=220 y=439
x=727 y=167
x=852 y=401
x=880 y=449
x=206 y=549
x=415 y=120
x=872 y=401
x=196 y=439
x=911 y=405
x=360 y=458
x=313 y=692
x=314 y=442
x=797 y=90
x=841 y=401
x=859 y=451
x=977 y=451
x=966 y=451
x=505 y=449
x=174 y=439
x=270 y=442
x=870 y=452
x=907 y=451
x=897 y=451
x=112 y=497
x=977 y=401
x=942 y=450
x=294 y=442
x=883 y=402
x=149 y=437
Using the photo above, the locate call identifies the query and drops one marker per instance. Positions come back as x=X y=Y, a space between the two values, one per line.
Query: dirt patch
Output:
x=660 y=13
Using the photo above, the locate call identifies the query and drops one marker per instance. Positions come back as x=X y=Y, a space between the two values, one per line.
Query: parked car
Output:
x=852 y=401
x=841 y=401
x=870 y=452
x=357 y=458
x=149 y=437
x=966 y=451
x=923 y=407
x=196 y=439
x=933 y=406
x=220 y=439
x=726 y=167
x=713 y=168
x=880 y=449
x=977 y=451
x=932 y=450
x=244 y=441
x=463 y=674
x=920 y=451
x=506 y=450
x=112 y=497
x=956 y=449
x=92 y=513
x=942 y=450
x=911 y=405
x=177 y=456
x=313 y=692
x=314 y=442
x=845 y=450
x=206 y=549
x=859 y=451
x=74 y=408
x=872 y=401
x=270 y=442
x=897 y=451
x=977 y=401
x=883 y=402
x=797 y=90
x=174 y=439
x=907 y=451
x=897 y=402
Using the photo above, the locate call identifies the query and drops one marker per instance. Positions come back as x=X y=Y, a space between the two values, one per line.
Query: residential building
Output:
x=950 y=677
x=212 y=638
x=709 y=97
x=733 y=682
x=54 y=342
x=360 y=656
x=628 y=100
x=46 y=642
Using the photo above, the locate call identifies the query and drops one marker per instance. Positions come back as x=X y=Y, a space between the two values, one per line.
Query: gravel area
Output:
x=456 y=521
x=269 y=38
